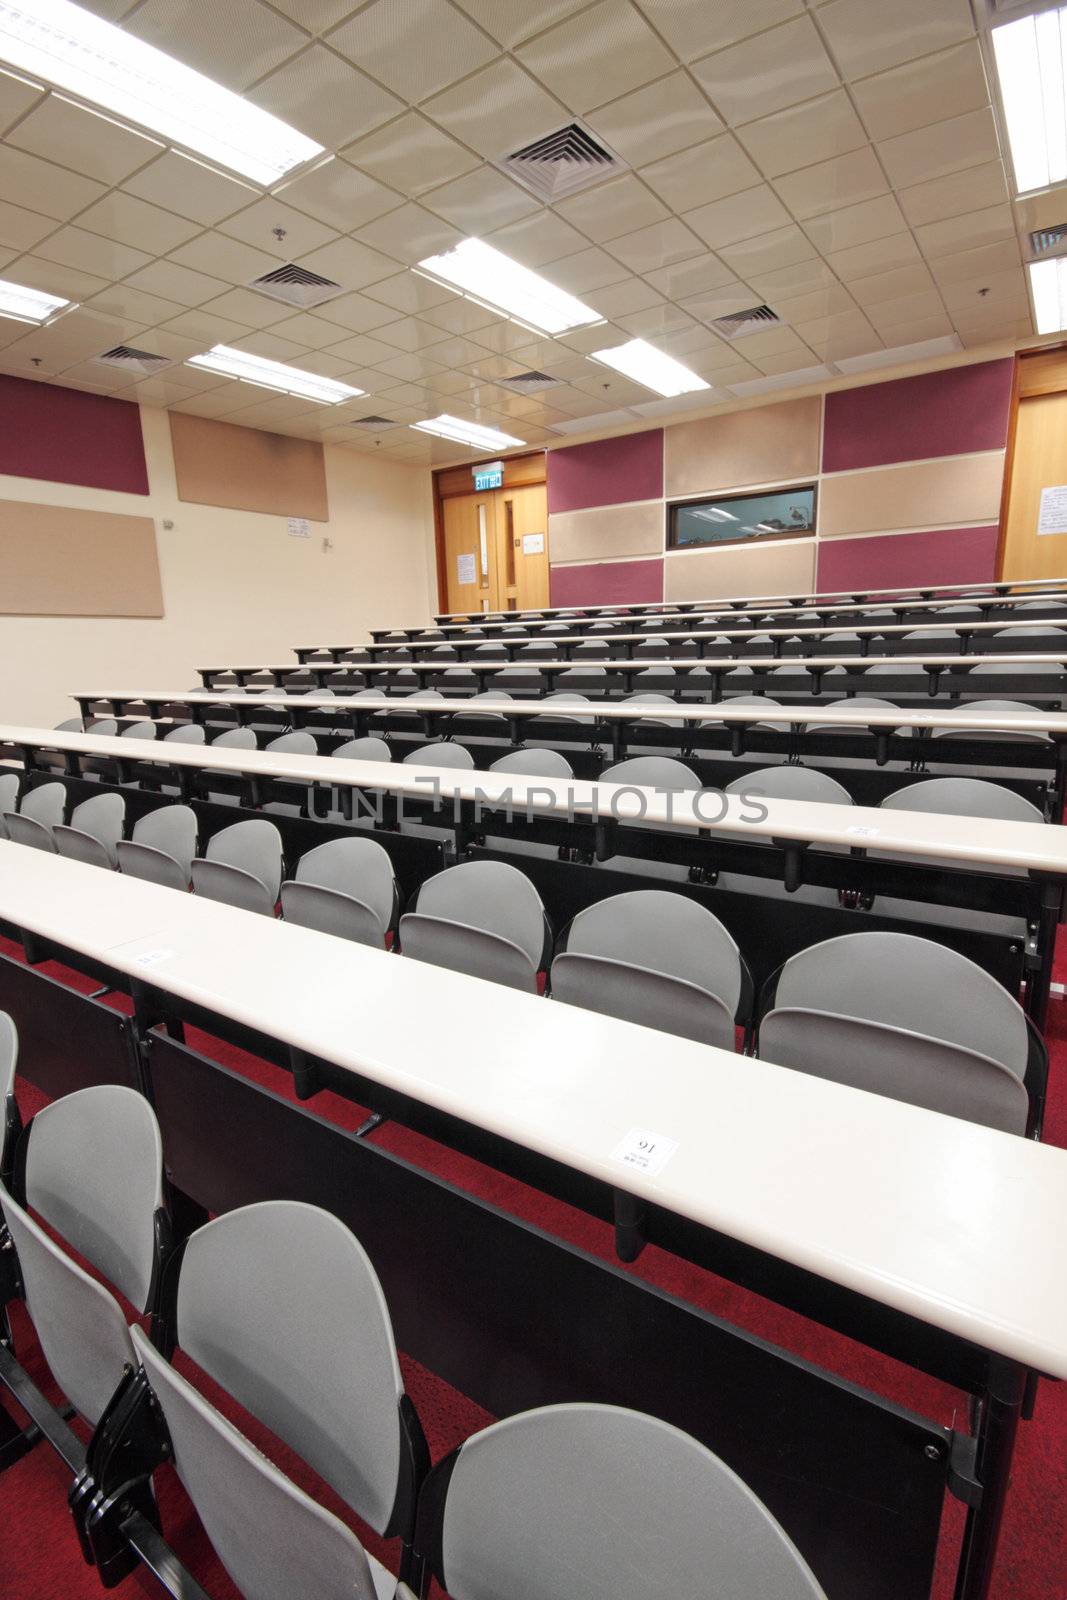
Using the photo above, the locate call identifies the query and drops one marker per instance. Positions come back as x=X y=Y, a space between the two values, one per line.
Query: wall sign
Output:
x=533 y=544
x=466 y=572
x=1052 y=517
x=299 y=528
x=490 y=476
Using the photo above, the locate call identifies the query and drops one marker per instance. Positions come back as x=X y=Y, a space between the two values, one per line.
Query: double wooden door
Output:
x=1034 y=538
x=496 y=550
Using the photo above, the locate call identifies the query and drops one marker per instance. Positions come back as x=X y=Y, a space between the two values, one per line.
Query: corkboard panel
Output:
x=56 y=561
x=246 y=469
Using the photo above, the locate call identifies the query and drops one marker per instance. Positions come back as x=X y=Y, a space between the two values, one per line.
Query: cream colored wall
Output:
x=236 y=587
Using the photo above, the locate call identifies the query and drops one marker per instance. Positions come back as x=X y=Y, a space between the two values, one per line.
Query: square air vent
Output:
x=528 y=382
x=739 y=323
x=296 y=286
x=1049 y=241
x=141 y=363
x=374 y=424
x=561 y=163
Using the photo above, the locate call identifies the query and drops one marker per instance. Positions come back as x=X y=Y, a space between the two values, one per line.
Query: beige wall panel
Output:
x=957 y=491
x=768 y=444
x=786 y=566
x=57 y=562
x=221 y=464
x=607 y=533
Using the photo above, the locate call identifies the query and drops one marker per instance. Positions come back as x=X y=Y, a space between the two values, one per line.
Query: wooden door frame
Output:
x=522 y=477
x=1009 y=454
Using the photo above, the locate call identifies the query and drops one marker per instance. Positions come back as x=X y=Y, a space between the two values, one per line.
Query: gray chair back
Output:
x=484 y=918
x=94 y=832
x=162 y=847
x=243 y=866
x=9 y=1056
x=345 y=887
x=9 y=790
x=235 y=739
x=992 y=708
x=186 y=733
x=300 y=743
x=368 y=749
x=652 y=772
x=535 y=764
x=963 y=797
x=139 y=730
x=861 y=702
x=40 y=810
x=791 y=783
x=584 y=1501
x=441 y=754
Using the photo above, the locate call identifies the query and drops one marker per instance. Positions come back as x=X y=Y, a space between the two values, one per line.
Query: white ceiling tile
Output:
x=537 y=239
x=928 y=90
x=971 y=190
x=661 y=245
x=793 y=360
x=127 y=220
x=246 y=306
x=92 y=374
x=173 y=282
x=832 y=184
x=596 y=57
x=449 y=383
x=680 y=402
x=410 y=233
x=409 y=333
x=835 y=329
x=350 y=263
x=816 y=131
x=404 y=291
x=972 y=297
x=414 y=47
x=480 y=201
x=325 y=98
x=800 y=278
x=881 y=286
x=315 y=15
x=322 y=361
x=968 y=232
x=721 y=302
x=840 y=345
x=203 y=326
x=219 y=403
x=269 y=344
x=499 y=110
x=190 y=188
x=120 y=300
x=768 y=252
x=940 y=148
x=410 y=365
x=38 y=185
x=692 y=341
x=223 y=257
x=586 y=271
x=739 y=216
x=71 y=339
x=510 y=21
x=74 y=247
x=655 y=321
x=878 y=256
x=691 y=277
x=452 y=352
x=338 y=195
x=16 y=98
x=856 y=224
x=410 y=154
x=611 y=387
x=244 y=41
x=363 y=350
x=613 y=208
x=502 y=337
x=91 y=144
x=632 y=294
x=972 y=264
x=868 y=36
x=833 y=301
x=599 y=336
x=256 y=226
x=21 y=229
x=179 y=347
x=888 y=314
x=693 y=27
x=307 y=330
x=656 y=120
x=71 y=282
x=356 y=312
x=766 y=73
x=705 y=172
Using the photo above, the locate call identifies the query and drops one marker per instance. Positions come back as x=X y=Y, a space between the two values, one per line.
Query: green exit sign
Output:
x=490 y=477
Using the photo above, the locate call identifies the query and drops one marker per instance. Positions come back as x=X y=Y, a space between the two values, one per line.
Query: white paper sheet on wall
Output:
x=1052 y=517
x=466 y=572
x=533 y=544
x=299 y=528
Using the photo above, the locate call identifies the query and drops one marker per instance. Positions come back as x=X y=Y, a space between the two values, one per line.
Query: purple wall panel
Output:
x=606 y=472
x=67 y=436
x=607 y=583
x=898 y=560
x=944 y=413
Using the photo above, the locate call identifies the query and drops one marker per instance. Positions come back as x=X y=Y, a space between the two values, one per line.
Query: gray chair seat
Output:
x=484 y=918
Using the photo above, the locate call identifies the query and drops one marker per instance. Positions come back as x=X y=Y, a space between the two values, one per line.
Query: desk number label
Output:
x=644 y=1151
x=864 y=833
x=152 y=958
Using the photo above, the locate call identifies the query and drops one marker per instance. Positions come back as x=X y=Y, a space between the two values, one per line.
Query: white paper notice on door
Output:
x=1052 y=517
x=299 y=528
x=466 y=571
x=533 y=544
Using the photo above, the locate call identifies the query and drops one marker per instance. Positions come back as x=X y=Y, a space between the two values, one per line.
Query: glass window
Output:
x=735 y=519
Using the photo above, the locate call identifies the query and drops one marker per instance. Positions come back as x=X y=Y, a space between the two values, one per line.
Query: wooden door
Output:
x=1034 y=543
x=470 y=552
x=522 y=548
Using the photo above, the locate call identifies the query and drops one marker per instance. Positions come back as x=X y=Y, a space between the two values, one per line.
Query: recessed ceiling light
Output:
x=472 y=433
x=273 y=375
x=492 y=279
x=1031 y=57
x=28 y=305
x=645 y=364
x=1048 y=280
x=105 y=66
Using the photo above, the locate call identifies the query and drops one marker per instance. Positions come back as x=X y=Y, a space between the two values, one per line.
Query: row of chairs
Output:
x=710 y=616
x=279 y=1306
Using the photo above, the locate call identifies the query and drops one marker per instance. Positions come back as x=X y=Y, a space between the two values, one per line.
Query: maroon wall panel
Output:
x=66 y=436
x=945 y=413
x=606 y=472
x=899 y=560
x=607 y=583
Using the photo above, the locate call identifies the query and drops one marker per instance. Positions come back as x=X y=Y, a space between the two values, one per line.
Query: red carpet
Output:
x=40 y=1560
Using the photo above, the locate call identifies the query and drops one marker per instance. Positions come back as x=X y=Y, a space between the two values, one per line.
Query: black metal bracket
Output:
x=306 y=1079
x=962 y=1478
x=629 y=1216
x=130 y=1441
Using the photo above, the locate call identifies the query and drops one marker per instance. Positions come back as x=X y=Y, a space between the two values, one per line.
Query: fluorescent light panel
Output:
x=1031 y=57
x=645 y=364
x=273 y=375
x=472 y=433
x=28 y=305
x=492 y=279
x=1048 y=280
x=77 y=51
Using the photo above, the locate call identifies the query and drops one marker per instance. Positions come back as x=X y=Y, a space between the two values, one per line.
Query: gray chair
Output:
x=186 y=733
x=964 y=797
x=235 y=739
x=531 y=763
x=300 y=743
x=903 y=1017
x=9 y=794
x=992 y=708
x=139 y=730
x=860 y=702
x=242 y=867
x=345 y=887
x=784 y=783
x=10 y=1124
x=585 y=1502
x=368 y=749
x=106 y=1209
x=279 y=1305
x=484 y=918
x=94 y=831
x=442 y=753
x=40 y=810
x=162 y=847
x=231 y=739
x=652 y=772
x=659 y=959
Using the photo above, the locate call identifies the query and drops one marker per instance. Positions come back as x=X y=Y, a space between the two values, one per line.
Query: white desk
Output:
x=961 y=840
x=945 y=1221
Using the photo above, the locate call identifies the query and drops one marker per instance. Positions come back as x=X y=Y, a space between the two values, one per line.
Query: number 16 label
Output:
x=644 y=1151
